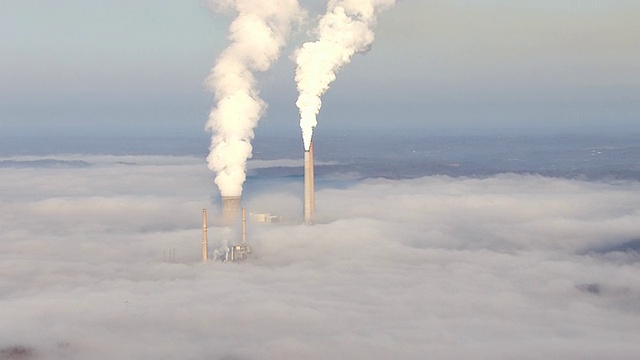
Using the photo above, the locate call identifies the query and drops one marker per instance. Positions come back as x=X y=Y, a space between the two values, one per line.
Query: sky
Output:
x=508 y=266
x=74 y=67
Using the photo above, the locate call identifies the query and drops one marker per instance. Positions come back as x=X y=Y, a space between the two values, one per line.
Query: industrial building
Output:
x=231 y=206
x=234 y=253
x=265 y=217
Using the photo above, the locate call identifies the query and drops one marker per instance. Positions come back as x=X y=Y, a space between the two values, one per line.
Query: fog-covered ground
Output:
x=446 y=248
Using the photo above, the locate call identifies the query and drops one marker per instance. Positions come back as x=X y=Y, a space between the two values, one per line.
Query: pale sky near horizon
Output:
x=84 y=67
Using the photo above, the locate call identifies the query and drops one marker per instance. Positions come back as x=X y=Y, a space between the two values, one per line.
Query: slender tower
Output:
x=312 y=181
x=205 y=250
x=308 y=185
x=244 y=227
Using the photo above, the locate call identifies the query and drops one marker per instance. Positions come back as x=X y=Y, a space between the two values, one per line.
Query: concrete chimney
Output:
x=230 y=210
x=313 y=181
x=205 y=250
x=308 y=185
x=244 y=227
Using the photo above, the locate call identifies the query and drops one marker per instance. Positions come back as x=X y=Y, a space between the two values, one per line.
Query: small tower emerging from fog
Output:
x=205 y=249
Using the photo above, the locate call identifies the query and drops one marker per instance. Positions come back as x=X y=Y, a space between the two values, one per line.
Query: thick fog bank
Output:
x=102 y=262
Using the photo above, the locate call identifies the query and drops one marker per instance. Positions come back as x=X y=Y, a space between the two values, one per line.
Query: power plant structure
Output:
x=240 y=252
x=231 y=208
x=234 y=253
x=309 y=186
x=265 y=217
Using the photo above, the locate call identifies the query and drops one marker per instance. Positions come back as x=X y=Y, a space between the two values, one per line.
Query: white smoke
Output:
x=257 y=36
x=345 y=29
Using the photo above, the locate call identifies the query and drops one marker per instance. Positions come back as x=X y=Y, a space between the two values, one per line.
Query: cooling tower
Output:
x=230 y=210
x=308 y=186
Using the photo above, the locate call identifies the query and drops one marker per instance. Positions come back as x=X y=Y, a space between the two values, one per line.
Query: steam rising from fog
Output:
x=345 y=29
x=257 y=36
x=456 y=268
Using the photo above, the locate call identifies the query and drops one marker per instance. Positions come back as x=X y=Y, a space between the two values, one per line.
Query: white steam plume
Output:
x=345 y=29
x=257 y=36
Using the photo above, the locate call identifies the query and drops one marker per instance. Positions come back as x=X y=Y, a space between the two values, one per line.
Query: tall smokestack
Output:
x=244 y=227
x=205 y=250
x=312 y=181
x=308 y=185
x=230 y=210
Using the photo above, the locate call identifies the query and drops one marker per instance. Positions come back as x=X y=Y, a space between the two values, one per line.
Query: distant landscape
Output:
x=399 y=156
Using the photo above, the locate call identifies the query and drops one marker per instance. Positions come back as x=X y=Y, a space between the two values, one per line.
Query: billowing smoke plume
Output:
x=344 y=30
x=257 y=36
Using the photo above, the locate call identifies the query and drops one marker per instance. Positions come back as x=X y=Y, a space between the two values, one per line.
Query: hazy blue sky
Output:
x=137 y=67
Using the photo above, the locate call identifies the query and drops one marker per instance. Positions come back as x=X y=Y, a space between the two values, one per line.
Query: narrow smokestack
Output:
x=205 y=250
x=230 y=210
x=312 y=181
x=244 y=227
x=308 y=186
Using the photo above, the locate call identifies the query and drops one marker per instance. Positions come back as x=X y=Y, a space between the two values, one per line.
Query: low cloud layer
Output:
x=509 y=266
